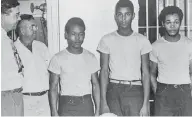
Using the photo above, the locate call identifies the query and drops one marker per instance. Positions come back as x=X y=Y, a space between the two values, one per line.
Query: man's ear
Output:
x=133 y=16
x=162 y=23
x=22 y=31
x=66 y=35
x=115 y=16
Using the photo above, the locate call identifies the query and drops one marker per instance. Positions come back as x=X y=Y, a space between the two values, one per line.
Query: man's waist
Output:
x=36 y=93
x=173 y=85
x=129 y=82
x=16 y=90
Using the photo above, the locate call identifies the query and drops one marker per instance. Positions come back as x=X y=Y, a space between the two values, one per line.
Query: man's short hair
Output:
x=6 y=5
x=170 y=10
x=124 y=3
x=23 y=17
x=74 y=21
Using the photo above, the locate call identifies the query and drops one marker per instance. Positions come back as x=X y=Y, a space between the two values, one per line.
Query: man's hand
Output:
x=104 y=108
x=145 y=110
x=54 y=114
x=97 y=113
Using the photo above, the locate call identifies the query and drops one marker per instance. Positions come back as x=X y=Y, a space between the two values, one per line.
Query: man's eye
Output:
x=128 y=14
x=119 y=15
x=81 y=34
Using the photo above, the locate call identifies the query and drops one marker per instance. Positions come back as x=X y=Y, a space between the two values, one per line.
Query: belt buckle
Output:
x=39 y=93
x=175 y=86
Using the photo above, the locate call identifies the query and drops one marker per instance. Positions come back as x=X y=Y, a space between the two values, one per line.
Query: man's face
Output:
x=29 y=29
x=124 y=17
x=11 y=19
x=172 y=24
x=75 y=36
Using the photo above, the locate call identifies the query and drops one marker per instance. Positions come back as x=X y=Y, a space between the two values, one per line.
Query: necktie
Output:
x=18 y=59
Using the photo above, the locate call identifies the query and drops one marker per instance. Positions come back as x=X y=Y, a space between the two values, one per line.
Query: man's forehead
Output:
x=27 y=22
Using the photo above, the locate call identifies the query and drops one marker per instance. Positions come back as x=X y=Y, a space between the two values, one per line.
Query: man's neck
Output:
x=172 y=38
x=74 y=50
x=4 y=27
x=125 y=31
x=26 y=44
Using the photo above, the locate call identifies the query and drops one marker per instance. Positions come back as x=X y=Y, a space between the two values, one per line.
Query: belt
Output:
x=18 y=90
x=130 y=82
x=36 y=93
x=173 y=85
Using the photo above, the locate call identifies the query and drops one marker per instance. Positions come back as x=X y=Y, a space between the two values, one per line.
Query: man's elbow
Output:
x=145 y=76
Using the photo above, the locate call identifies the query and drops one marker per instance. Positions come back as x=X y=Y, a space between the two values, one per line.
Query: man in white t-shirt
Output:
x=124 y=55
x=75 y=68
x=35 y=57
x=171 y=59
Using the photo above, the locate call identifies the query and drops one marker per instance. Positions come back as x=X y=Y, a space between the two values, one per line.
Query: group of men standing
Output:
x=67 y=84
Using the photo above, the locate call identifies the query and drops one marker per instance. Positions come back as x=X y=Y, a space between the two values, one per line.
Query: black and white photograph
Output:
x=96 y=58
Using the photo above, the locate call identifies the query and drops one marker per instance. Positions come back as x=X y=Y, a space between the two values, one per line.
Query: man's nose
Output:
x=77 y=37
x=172 y=25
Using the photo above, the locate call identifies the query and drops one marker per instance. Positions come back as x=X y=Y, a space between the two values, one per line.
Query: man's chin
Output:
x=173 y=35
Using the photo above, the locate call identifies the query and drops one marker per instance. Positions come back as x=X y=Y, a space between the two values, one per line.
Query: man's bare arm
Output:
x=96 y=92
x=104 y=81
x=153 y=75
x=53 y=93
x=146 y=84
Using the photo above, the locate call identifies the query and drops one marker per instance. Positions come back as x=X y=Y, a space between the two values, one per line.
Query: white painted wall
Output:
x=98 y=16
x=25 y=7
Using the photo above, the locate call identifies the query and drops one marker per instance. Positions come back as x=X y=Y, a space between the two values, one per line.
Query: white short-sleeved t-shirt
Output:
x=125 y=54
x=173 y=60
x=75 y=71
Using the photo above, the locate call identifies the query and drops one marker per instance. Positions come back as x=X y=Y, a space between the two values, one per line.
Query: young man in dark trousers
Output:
x=171 y=59
x=124 y=61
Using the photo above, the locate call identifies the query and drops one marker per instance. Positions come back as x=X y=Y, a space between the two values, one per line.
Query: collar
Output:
x=3 y=32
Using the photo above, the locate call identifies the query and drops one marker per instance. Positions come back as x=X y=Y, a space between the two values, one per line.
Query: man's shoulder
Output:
x=88 y=53
x=109 y=35
x=61 y=53
x=186 y=39
x=139 y=37
x=39 y=44
x=158 y=42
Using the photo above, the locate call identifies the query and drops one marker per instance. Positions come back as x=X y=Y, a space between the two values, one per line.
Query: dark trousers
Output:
x=173 y=100
x=125 y=100
x=11 y=104
x=76 y=105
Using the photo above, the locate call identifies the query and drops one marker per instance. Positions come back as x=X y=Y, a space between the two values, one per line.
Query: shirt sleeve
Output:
x=95 y=65
x=103 y=47
x=146 y=46
x=153 y=55
x=54 y=66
